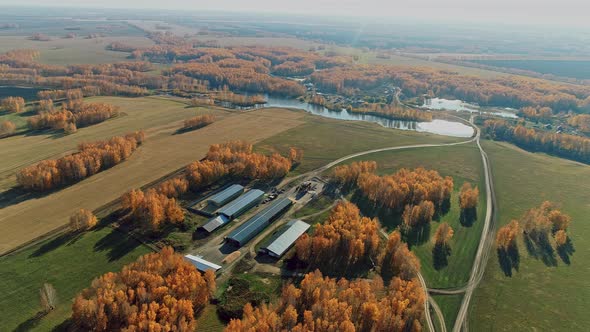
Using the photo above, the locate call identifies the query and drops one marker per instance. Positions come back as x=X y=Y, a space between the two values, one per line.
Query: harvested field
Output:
x=162 y=154
x=136 y=114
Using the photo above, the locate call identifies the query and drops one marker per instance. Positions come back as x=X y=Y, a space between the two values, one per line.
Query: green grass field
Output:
x=536 y=297
x=69 y=264
x=463 y=163
x=325 y=140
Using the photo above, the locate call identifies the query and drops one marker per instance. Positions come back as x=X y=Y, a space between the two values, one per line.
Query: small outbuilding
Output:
x=201 y=264
x=215 y=222
x=285 y=238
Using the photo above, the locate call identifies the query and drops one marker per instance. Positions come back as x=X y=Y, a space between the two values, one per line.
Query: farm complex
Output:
x=213 y=171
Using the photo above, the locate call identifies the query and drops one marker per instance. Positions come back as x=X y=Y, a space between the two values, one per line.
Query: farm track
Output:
x=485 y=242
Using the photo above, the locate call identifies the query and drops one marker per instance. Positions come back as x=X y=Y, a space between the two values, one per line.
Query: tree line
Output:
x=158 y=206
x=13 y=104
x=394 y=112
x=90 y=159
x=322 y=303
x=72 y=113
x=7 y=128
x=562 y=145
x=510 y=91
x=198 y=121
x=581 y=122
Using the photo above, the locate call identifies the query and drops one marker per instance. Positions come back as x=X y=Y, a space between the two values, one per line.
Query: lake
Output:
x=440 y=104
x=439 y=127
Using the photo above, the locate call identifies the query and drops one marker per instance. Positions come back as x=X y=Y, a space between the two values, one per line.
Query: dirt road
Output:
x=485 y=242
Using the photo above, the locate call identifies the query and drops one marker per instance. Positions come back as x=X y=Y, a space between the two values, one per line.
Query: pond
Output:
x=440 y=104
x=439 y=127
x=15 y=91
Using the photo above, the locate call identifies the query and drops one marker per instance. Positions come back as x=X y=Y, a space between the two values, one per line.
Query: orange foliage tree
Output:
x=348 y=175
x=151 y=209
x=442 y=249
x=325 y=304
x=159 y=292
x=468 y=196
x=344 y=241
x=13 y=104
x=198 y=121
x=507 y=236
x=406 y=187
x=507 y=247
x=397 y=260
x=82 y=220
x=581 y=121
x=417 y=216
x=91 y=159
x=73 y=112
x=468 y=199
x=295 y=155
x=7 y=128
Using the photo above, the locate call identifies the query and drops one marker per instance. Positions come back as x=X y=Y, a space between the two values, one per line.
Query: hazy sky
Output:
x=575 y=12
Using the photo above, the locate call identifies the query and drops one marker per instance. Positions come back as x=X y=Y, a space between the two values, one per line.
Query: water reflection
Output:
x=440 y=127
x=440 y=104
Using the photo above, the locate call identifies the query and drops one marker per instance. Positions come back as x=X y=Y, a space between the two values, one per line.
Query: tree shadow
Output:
x=539 y=247
x=389 y=218
x=445 y=207
x=17 y=195
x=509 y=259
x=67 y=238
x=440 y=256
x=566 y=250
x=468 y=217
x=117 y=243
x=417 y=235
x=66 y=325
x=31 y=323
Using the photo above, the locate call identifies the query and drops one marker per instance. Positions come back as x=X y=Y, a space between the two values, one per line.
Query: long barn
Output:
x=285 y=238
x=248 y=230
x=242 y=204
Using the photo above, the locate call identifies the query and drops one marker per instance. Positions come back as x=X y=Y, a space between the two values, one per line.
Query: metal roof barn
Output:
x=215 y=222
x=201 y=264
x=284 y=240
x=242 y=204
x=248 y=230
x=226 y=195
